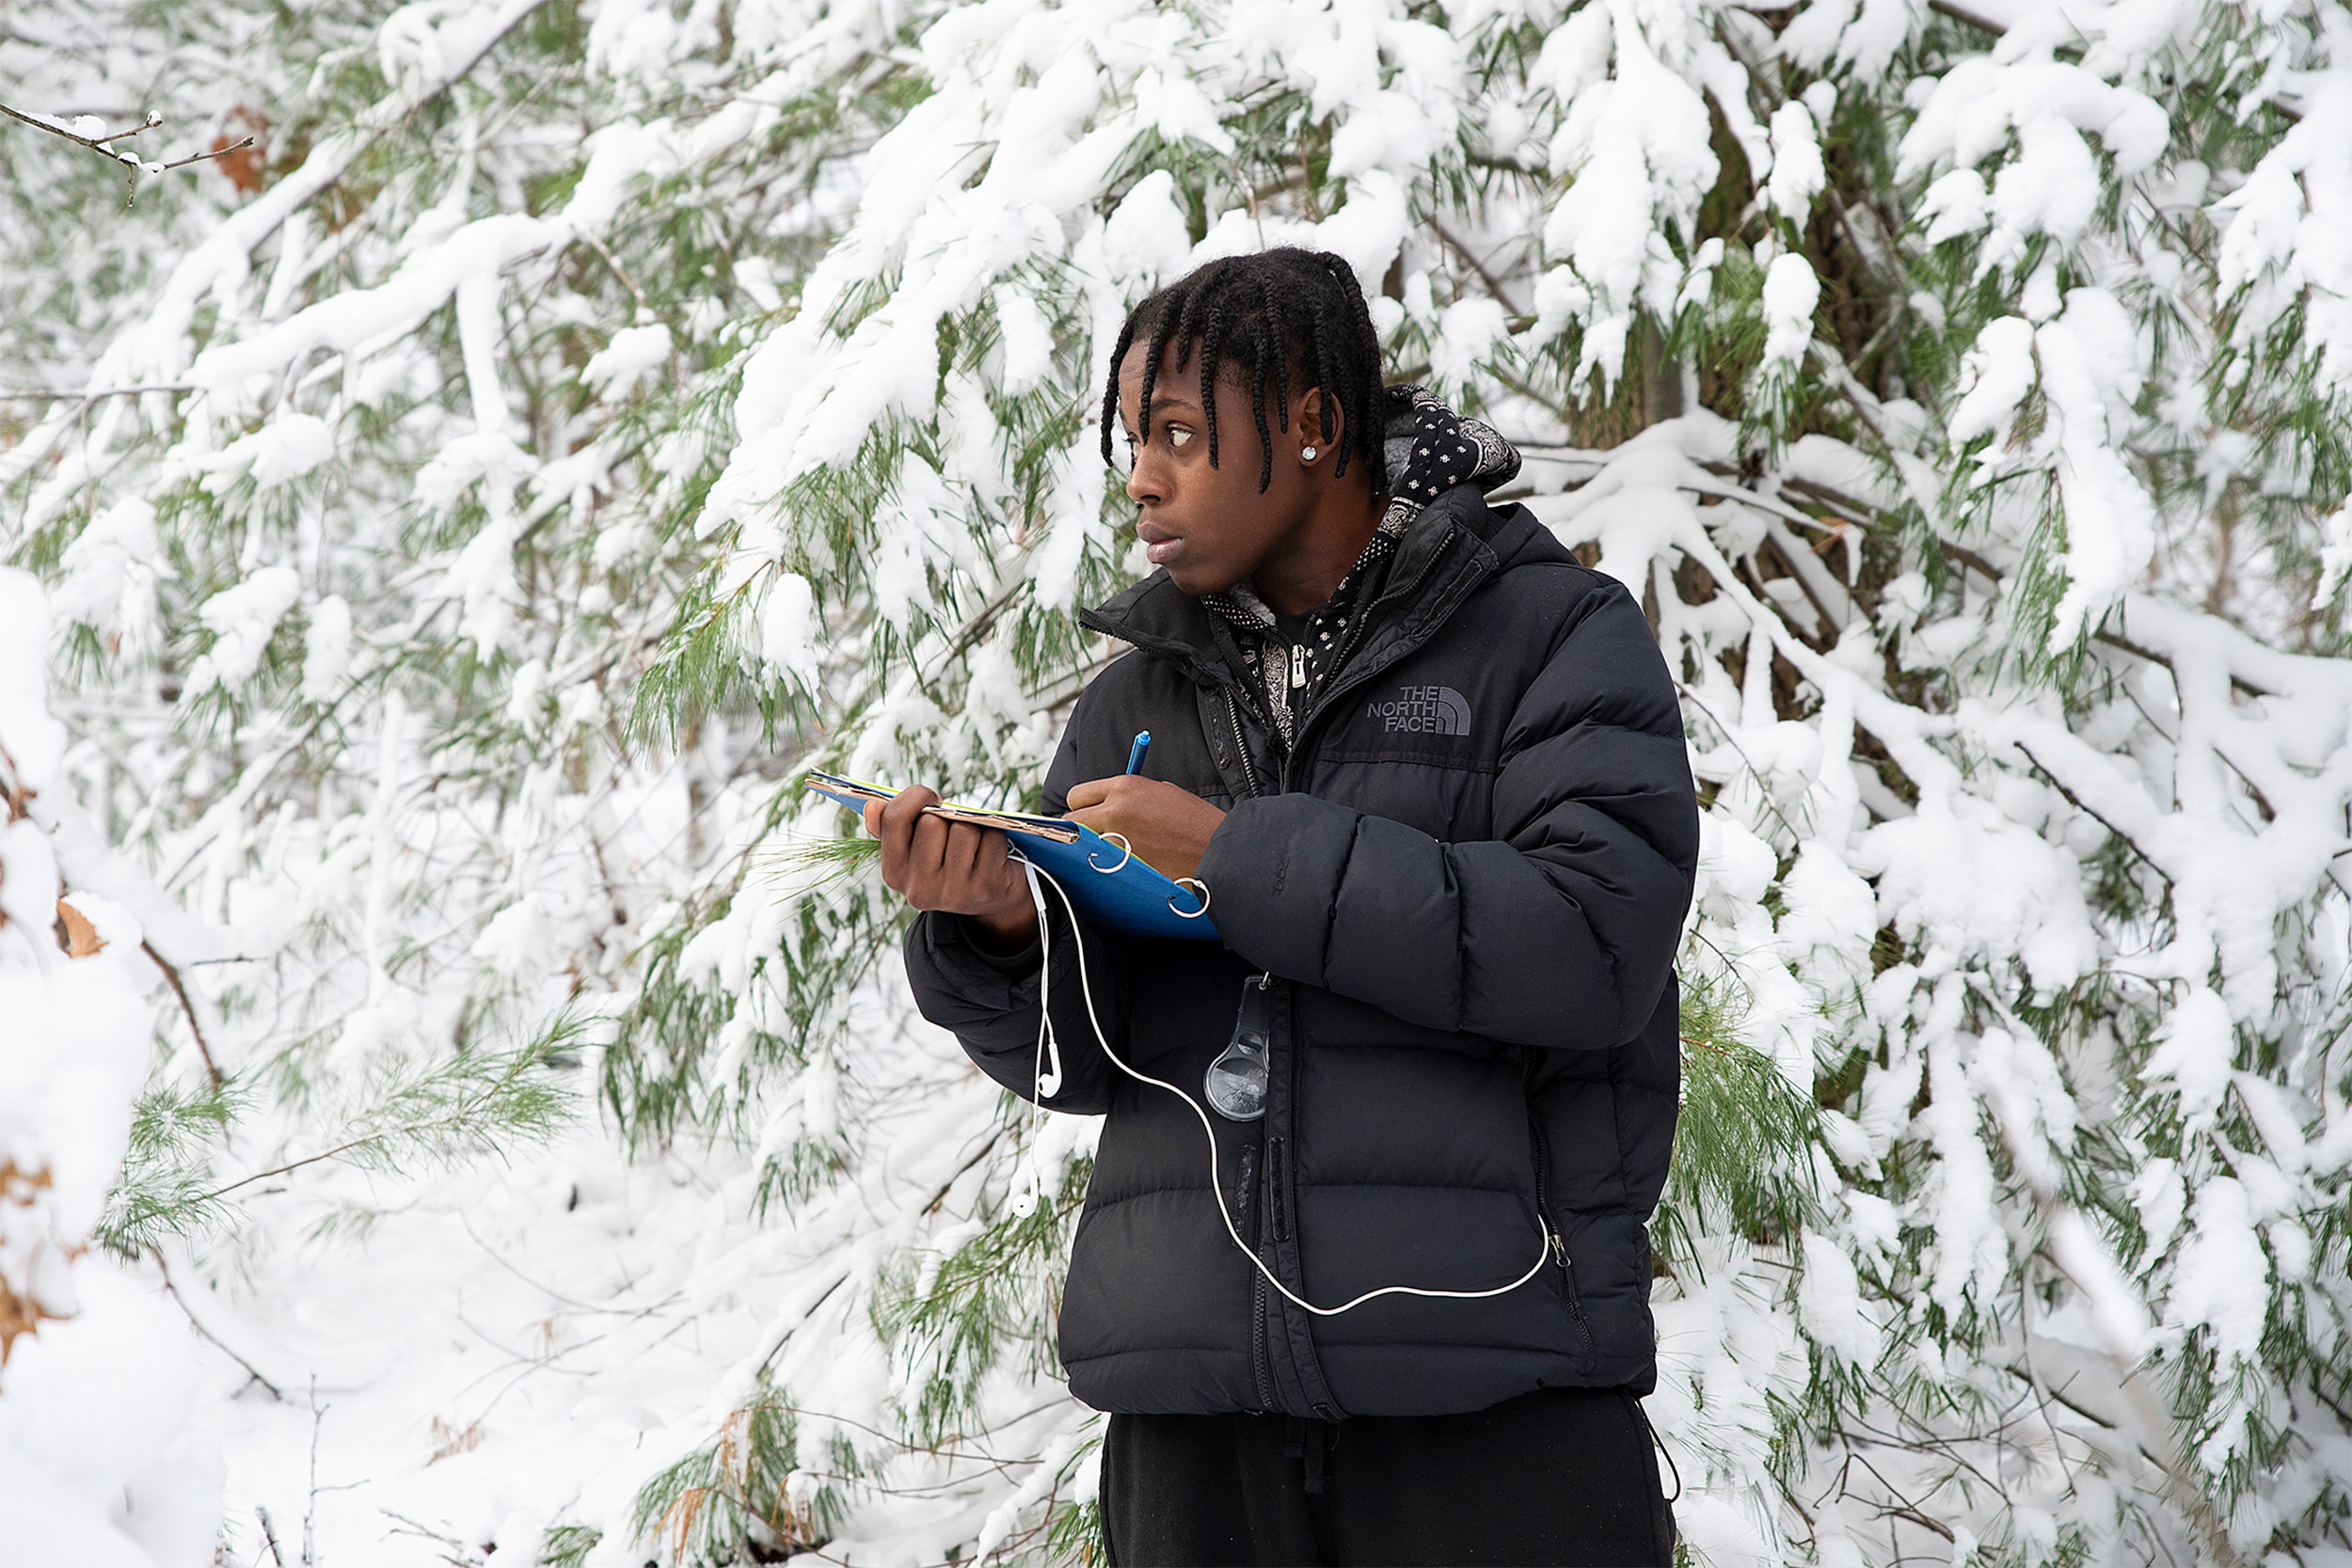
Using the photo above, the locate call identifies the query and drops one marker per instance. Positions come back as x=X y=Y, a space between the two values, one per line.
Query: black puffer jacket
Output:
x=1469 y=880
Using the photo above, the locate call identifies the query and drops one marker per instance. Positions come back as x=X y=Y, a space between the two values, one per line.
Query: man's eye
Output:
x=1178 y=436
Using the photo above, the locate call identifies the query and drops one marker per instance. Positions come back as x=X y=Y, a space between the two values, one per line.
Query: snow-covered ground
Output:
x=422 y=1372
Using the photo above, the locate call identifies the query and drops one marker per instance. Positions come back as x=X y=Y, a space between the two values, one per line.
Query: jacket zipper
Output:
x=1260 y=1364
x=1331 y=693
x=1241 y=742
x=1539 y=1144
x=1261 y=1351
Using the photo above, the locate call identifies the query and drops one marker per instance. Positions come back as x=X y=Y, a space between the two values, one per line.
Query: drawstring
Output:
x=1655 y=1442
x=1309 y=1441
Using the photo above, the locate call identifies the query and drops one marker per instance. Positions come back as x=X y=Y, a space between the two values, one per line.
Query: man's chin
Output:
x=1192 y=580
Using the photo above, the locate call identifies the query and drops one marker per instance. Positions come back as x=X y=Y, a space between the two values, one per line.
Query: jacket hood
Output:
x=1428 y=449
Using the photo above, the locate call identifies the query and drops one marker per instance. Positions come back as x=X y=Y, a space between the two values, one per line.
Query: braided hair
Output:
x=1271 y=321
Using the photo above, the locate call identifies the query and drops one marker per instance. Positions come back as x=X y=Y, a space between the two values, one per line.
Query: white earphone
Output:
x=1028 y=1181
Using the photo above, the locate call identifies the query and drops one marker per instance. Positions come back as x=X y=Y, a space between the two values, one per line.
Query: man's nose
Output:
x=1144 y=486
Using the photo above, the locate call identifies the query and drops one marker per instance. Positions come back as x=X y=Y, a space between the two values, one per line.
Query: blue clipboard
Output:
x=1111 y=887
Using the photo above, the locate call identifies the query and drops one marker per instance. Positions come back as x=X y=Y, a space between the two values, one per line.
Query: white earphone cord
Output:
x=1217 y=1179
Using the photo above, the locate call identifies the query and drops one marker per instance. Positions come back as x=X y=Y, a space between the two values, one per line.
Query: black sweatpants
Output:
x=1562 y=1475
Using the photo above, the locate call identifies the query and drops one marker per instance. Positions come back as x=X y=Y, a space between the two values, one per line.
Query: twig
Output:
x=173 y=1291
x=270 y=1535
x=188 y=1006
x=1494 y=285
x=310 y=1512
x=2079 y=804
x=618 y=271
x=96 y=144
x=417 y=1527
x=201 y=157
x=102 y=145
x=97 y=396
x=1966 y=17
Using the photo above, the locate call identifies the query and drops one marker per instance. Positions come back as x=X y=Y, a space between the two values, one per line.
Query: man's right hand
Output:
x=953 y=867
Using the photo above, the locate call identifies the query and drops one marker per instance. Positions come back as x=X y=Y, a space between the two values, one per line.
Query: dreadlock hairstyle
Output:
x=1277 y=318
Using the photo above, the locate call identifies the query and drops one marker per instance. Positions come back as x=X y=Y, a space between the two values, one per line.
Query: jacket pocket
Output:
x=1563 y=1270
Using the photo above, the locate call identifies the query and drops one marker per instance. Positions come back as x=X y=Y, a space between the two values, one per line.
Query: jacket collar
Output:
x=1456 y=537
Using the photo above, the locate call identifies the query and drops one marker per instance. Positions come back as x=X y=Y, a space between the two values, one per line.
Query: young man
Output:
x=1432 y=773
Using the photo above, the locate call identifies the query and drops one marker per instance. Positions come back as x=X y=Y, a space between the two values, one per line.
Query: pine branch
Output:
x=440 y=1116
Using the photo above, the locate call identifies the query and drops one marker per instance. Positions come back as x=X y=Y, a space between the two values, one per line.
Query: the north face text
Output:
x=1424 y=709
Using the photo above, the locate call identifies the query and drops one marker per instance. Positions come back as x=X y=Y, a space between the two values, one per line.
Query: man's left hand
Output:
x=1168 y=827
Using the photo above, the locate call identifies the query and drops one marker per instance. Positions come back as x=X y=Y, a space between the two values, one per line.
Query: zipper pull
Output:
x=1298 y=665
x=1559 y=1248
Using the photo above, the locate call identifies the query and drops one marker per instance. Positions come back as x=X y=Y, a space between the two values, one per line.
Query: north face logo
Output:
x=1424 y=710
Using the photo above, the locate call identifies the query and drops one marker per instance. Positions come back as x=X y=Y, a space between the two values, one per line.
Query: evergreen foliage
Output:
x=602 y=411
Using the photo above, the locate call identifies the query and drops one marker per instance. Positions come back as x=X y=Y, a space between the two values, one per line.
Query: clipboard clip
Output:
x=1127 y=853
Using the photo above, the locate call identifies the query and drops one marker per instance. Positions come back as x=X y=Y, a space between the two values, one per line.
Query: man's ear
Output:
x=1307 y=422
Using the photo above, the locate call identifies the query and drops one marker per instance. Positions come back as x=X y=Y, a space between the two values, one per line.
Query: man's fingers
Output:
x=993 y=870
x=906 y=807
x=956 y=847
x=927 y=850
x=894 y=821
x=1092 y=793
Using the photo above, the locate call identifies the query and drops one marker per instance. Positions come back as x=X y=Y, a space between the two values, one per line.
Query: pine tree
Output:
x=635 y=401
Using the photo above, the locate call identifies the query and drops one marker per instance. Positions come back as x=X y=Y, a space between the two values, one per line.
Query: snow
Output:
x=2000 y=370
x=36 y=742
x=615 y=368
x=242 y=619
x=1791 y=294
x=282 y=450
x=2026 y=777
x=99 y=1461
x=1797 y=175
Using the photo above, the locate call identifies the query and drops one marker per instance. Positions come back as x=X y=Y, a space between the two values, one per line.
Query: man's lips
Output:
x=1159 y=546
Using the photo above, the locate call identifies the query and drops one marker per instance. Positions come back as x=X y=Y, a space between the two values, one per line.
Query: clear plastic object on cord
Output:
x=1236 y=1081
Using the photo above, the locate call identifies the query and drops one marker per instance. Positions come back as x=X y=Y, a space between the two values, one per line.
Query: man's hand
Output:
x=1168 y=827
x=952 y=866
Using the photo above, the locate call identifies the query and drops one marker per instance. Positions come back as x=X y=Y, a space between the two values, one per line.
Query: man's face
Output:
x=1210 y=526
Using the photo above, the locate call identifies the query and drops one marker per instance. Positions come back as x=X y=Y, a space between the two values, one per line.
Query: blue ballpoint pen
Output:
x=1135 y=752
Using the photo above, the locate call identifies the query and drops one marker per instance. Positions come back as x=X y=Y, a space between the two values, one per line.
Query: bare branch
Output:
x=100 y=394
x=1966 y=18
x=188 y=1006
x=133 y=164
x=270 y=1535
x=96 y=144
x=200 y=157
x=194 y=1322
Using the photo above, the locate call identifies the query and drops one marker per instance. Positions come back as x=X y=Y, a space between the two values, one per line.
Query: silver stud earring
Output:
x=1307 y=455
